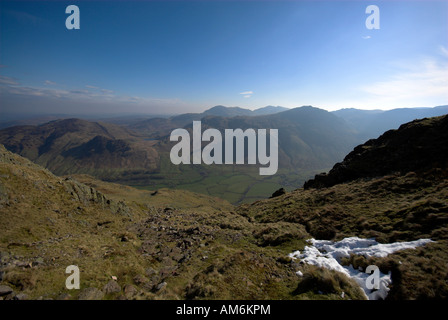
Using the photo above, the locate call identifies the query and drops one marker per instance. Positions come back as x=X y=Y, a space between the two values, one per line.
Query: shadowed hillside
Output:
x=79 y=146
x=418 y=146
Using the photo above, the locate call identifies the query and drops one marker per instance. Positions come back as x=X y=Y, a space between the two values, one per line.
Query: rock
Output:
x=38 y=261
x=5 y=290
x=4 y=256
x=167 y=271
x=91 y=294
x=10 y=296
x=148 y=247
x=64 y=296
x=85 y=194
x=279 y=192
x=167 y=262
x=111 y=287
x=176 y=254
x=129 y=291
x=140 y=279
x=161 y=286
x=150 y=272
x=164 y=252
x=21 y=264
x=414 y=147
x=20 y=296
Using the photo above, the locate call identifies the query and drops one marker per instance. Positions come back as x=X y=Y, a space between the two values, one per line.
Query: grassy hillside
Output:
x=394 y=188
x=79 y=146
x=391 y=208
x=164 y=245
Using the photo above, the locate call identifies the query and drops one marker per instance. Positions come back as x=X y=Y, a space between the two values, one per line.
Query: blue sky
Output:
x=188 y=56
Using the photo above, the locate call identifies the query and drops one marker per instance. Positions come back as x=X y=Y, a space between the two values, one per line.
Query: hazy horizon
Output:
x=7 y=117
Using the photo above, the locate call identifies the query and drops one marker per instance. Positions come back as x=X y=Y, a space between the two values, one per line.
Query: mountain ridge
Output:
x=409 y=148
x=372 y=123
x=58 y=145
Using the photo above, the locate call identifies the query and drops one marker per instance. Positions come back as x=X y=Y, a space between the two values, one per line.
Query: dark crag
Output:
x=418 y=146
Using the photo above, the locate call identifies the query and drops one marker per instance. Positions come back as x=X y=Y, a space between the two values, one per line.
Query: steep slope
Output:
x=393 y=208
x=153 y=245
x=419 y=146
x=79 y=146
x=394 y=188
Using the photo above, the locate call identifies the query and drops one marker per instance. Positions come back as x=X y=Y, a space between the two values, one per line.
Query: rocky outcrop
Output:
x=45 y=180
x=86 y=194
x=279 y=193
x=91 y=294
x=418 y=146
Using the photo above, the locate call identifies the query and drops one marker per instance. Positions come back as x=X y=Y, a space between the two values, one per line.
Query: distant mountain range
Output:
x=158 y=127
x=309 y=138
x=367 y=123
x=237 y=111
x=371 y=123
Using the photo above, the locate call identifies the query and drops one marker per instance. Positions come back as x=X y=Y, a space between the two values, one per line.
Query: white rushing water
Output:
x=328 y=254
